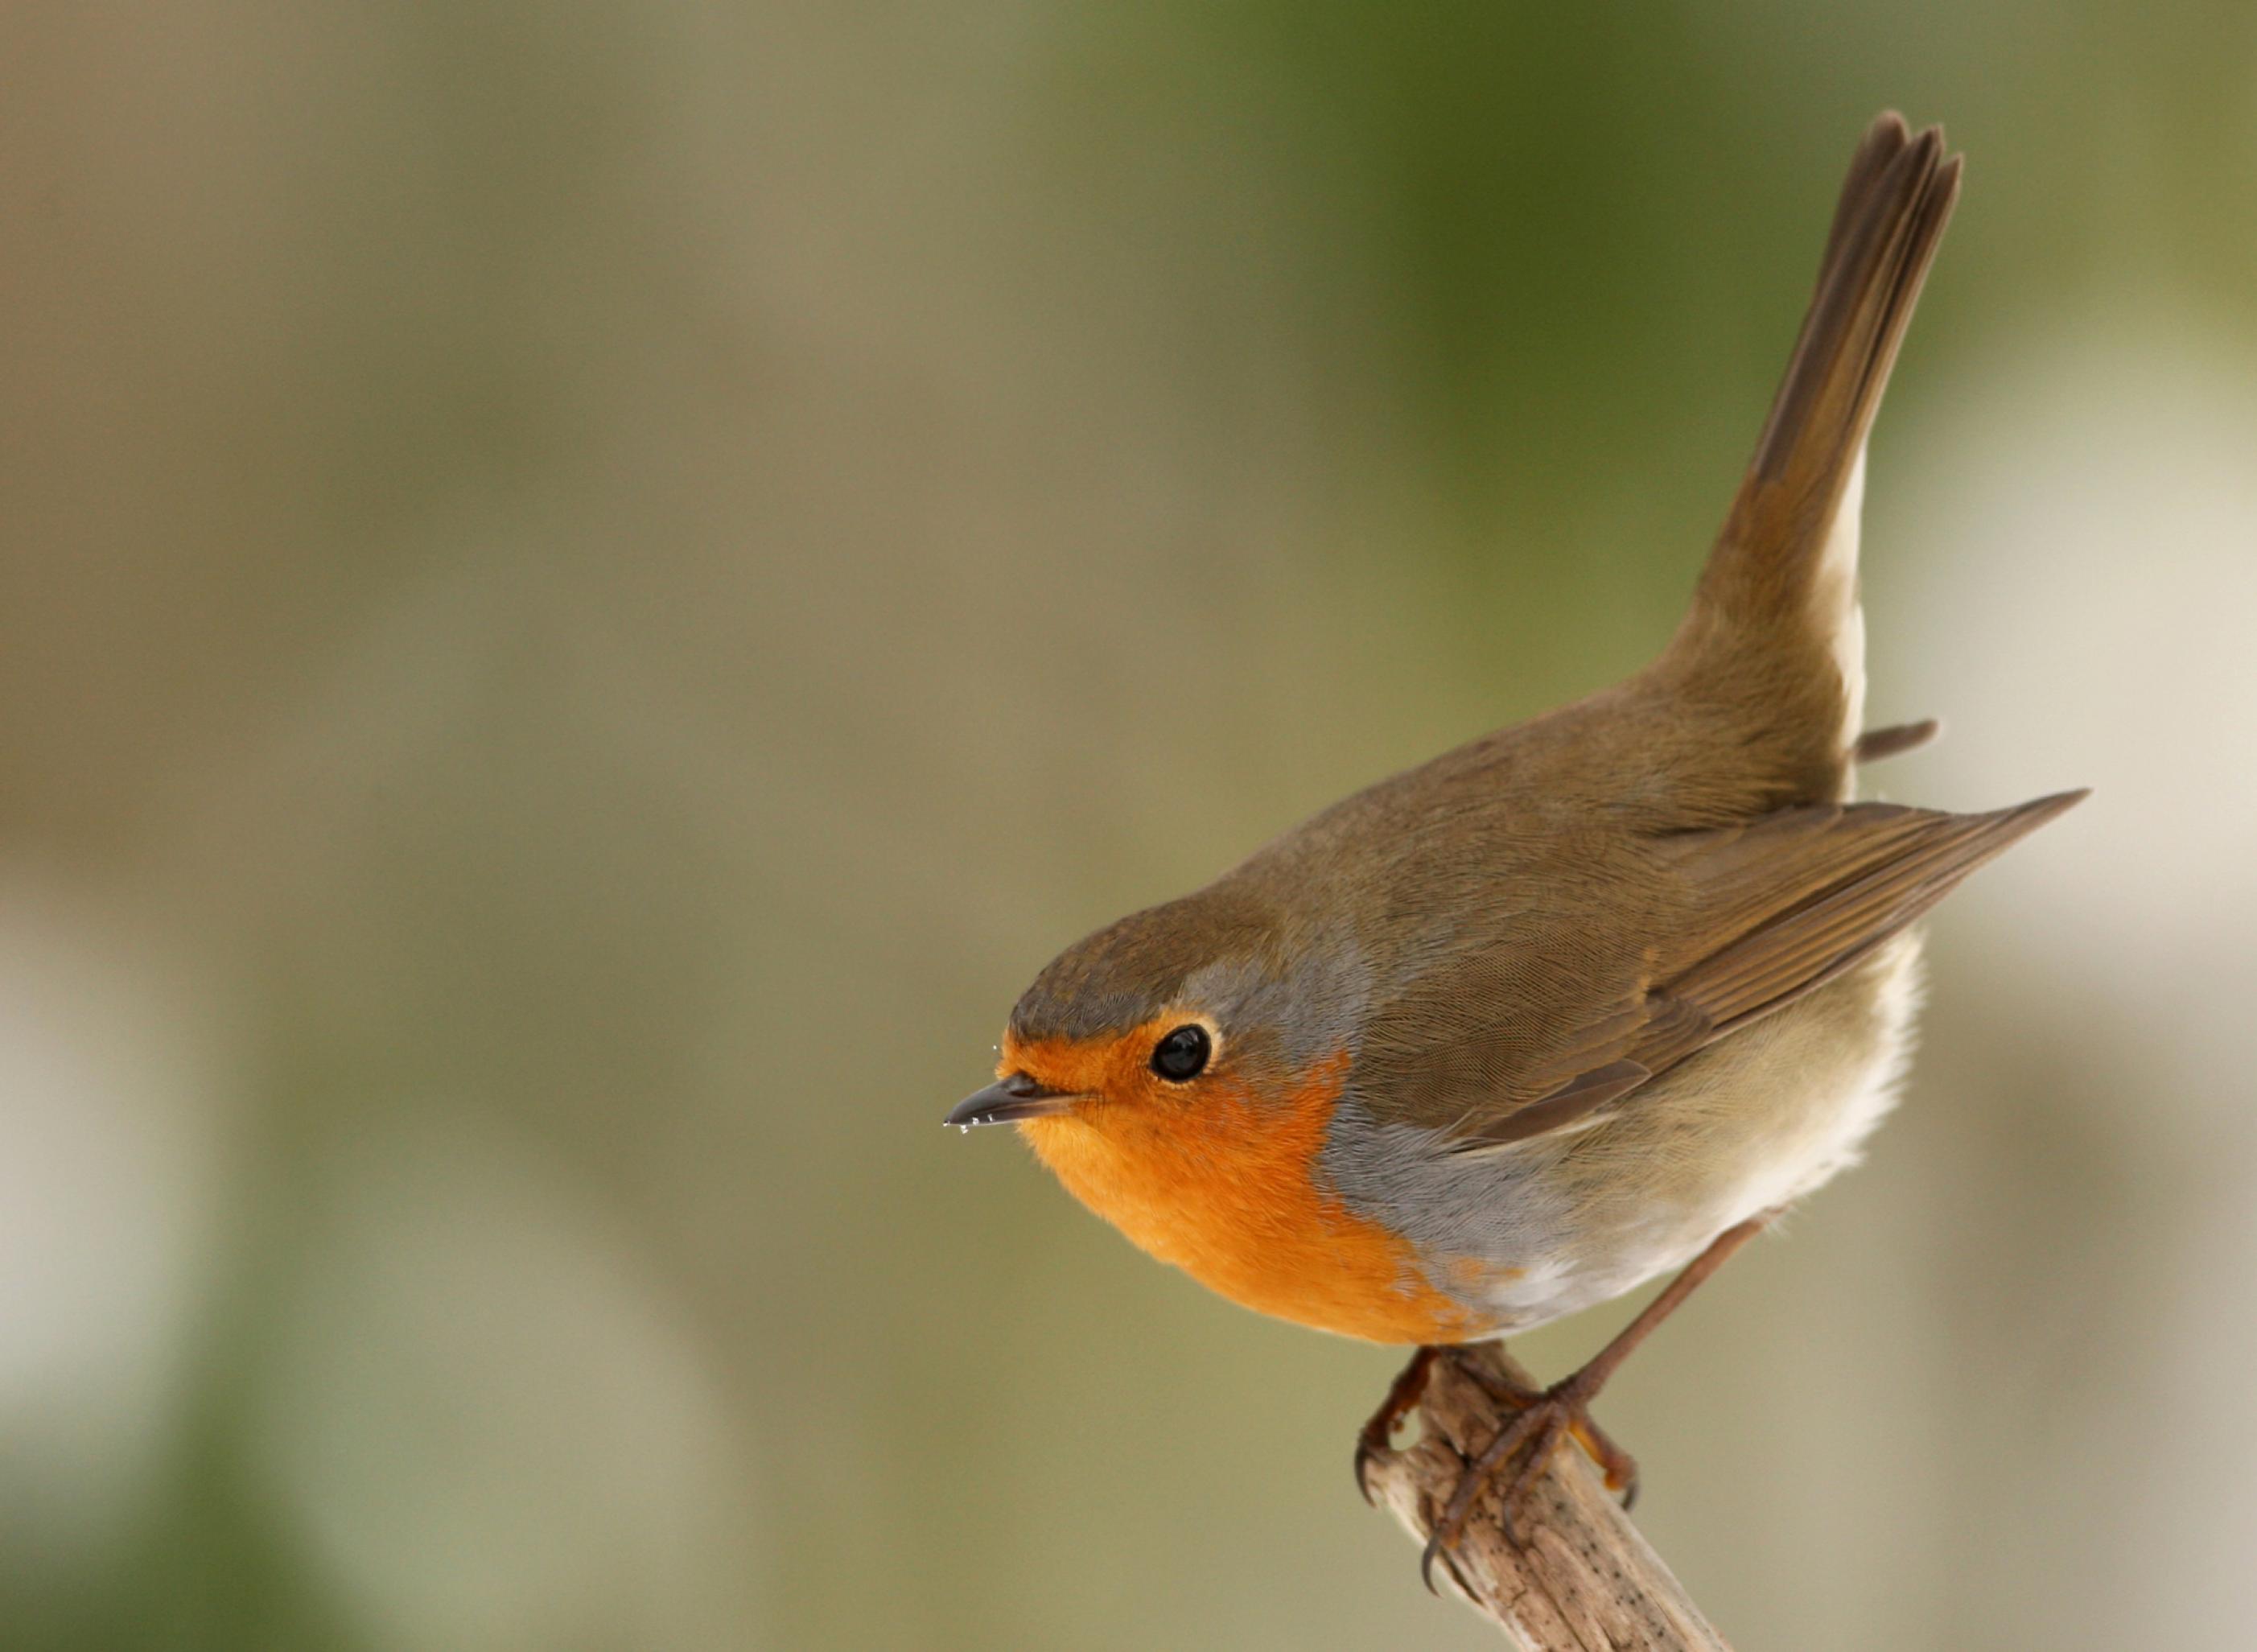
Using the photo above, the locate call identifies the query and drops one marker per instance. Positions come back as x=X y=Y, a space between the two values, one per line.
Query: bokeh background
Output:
x=589 y=589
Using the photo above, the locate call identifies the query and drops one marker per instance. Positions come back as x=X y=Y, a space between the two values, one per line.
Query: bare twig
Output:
x=1586 y=1583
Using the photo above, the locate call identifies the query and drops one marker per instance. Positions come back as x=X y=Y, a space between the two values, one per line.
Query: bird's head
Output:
x=1179 y=1008
x=1181 y=1072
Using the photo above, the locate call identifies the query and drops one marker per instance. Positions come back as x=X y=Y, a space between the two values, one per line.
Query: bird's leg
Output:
x=1563 y=1410
x=1403 y=1394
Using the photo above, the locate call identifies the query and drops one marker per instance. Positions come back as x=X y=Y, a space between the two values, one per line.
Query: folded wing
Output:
x=1776 y=909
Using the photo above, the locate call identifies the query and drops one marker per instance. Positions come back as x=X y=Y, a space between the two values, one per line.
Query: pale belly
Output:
x=1544 y=1229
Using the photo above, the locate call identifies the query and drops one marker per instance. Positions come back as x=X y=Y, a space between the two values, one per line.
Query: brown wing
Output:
x=1779 y=908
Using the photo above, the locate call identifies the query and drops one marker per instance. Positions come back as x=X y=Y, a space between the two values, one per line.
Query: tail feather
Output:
x=1778 y=602
x=1886 y=228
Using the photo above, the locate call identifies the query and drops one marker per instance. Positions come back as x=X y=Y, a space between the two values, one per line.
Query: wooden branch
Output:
x=1588 y=1582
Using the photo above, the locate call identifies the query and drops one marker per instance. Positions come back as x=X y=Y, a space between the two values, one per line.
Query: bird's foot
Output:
x=1547 y=1416
x=1376 y=1439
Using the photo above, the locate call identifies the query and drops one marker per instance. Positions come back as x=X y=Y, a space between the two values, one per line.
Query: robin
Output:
x=1578 y=1004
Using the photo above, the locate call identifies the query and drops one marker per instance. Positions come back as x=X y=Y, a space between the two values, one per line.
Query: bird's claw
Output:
x=1366 y=1454
x=1547 y=1416
x=1376 y=1437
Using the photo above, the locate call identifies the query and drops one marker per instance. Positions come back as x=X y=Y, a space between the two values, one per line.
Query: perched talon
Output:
x=1617 y=1465
x=1547 y=1416
x=1402 y=1395
x=1452 y=1521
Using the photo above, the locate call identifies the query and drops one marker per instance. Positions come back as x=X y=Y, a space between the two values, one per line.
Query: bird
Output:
x=1584 y=1002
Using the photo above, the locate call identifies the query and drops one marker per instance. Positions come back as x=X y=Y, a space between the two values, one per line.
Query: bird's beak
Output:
x=1007 y=1101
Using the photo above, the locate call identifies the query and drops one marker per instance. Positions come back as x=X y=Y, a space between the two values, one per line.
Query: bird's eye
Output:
x=1180 y=1056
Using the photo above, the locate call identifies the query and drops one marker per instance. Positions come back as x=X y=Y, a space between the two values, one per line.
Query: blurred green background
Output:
x=588 y=590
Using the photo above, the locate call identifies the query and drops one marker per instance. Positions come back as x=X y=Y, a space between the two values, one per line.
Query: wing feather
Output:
x=1775 y=911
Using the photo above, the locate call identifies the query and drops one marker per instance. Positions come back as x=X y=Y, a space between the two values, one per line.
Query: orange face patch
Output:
x=1226 y=1187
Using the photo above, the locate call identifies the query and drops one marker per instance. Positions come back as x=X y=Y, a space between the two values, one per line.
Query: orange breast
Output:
x=1228 y=1190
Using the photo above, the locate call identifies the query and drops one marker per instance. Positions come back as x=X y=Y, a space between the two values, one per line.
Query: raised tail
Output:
x=1778 y=604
